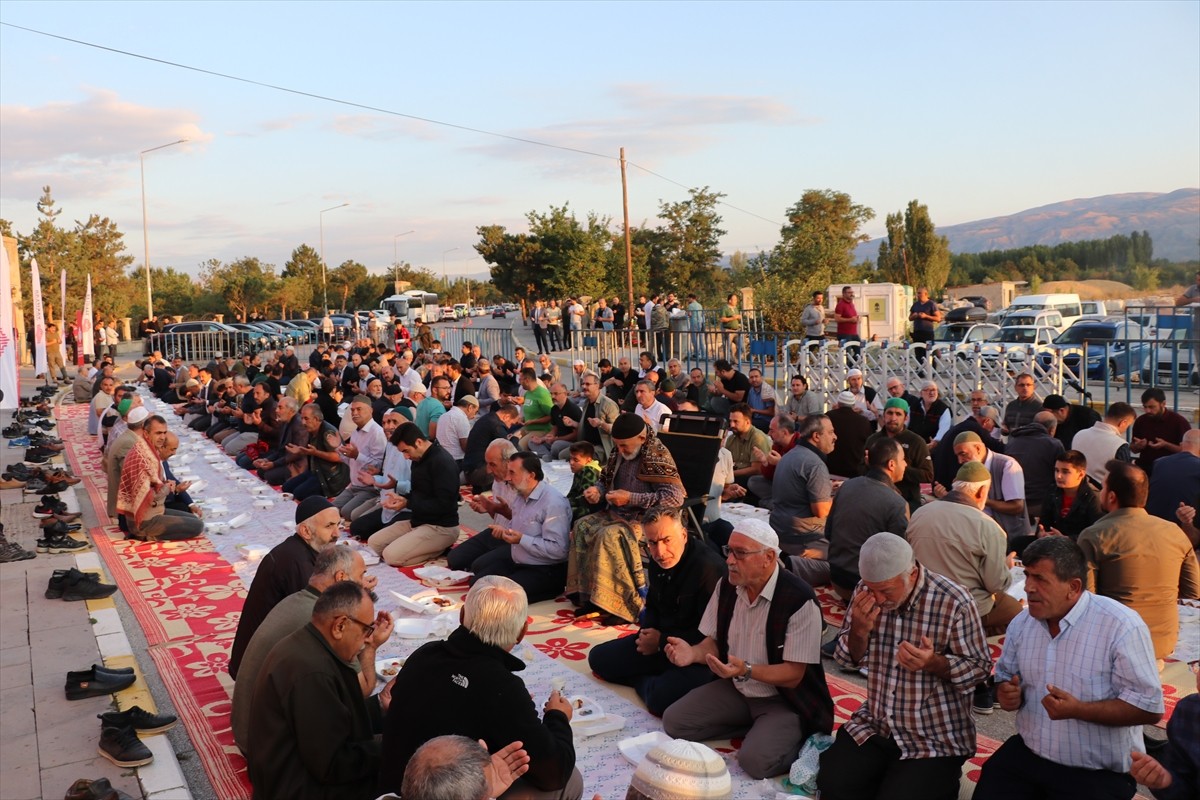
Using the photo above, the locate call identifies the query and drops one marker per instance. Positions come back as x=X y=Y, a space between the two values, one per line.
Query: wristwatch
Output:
x=745 y=676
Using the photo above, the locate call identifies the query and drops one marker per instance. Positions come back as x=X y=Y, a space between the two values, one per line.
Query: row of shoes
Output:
x=36 y=480
x=57 y=524
x=73 y=584
x=11 y=551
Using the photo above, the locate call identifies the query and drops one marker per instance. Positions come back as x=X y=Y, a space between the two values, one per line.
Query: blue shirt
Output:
x=544 y=522
x=397 y=467
x=1102 y=652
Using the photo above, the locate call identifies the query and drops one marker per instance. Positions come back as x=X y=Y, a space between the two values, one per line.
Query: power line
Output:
x=362 y=106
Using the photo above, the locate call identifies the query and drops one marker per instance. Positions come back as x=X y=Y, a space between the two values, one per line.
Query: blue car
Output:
x=1116 y=348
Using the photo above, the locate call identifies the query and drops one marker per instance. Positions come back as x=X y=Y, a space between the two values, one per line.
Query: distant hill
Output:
x=1172 y=219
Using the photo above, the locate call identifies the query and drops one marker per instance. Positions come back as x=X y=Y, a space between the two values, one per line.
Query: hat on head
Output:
x=854 y=373
x=579 y=363
x=973 y=472
x=137 y=415
x=469 y=399
x=191 y=382
x=846 y=398
x=417 y=389
x=896 y=402
x=678 y=769
x=759 y=531
x=1054 y=402
x=217 y=355
x=667 y=385
x=967 y=437
x=124 y=406
x=311 y=506
x=628 y=426
x=883 y=557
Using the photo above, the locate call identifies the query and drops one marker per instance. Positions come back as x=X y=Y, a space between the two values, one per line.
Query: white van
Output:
x=1066 y=304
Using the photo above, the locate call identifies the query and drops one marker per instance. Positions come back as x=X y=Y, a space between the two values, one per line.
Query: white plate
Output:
x=606 y=724
x=253 y=552
x=197 y=485
x=584 y=711
x=264 y=503
x=239 y=520
x=636 y=748
x=440 y=576
x=408 y=628
x=388 y=668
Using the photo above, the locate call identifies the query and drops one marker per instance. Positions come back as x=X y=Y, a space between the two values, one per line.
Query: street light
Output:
x=395 y=252
x=445 y=277
x=324 y=287
x=145 y=228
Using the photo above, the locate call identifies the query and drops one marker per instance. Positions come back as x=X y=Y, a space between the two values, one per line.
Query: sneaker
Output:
x=60 y=544
x=11 y=551
x=48 y=508
x=139 y=719
x=122 y=747
x=84 y=586
x=21 y=441
x=985 y=698
x=32 y=456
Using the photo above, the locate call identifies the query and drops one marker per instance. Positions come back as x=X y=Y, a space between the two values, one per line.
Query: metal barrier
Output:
x=202 y=347
x=491 y=341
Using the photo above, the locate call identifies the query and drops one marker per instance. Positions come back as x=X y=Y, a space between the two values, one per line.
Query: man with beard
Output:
x=916 y=452
x=604 y=572
x=143 y=490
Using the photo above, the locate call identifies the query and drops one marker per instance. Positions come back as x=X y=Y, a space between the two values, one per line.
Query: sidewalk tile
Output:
x=107 y=621
x=16 y=707
x=19 y=765
x=56 y=780
x=15 y=668
x=114 y=644
x=163 y=772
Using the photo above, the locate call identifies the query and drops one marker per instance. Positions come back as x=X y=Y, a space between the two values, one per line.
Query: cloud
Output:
x=269 y=126
x=684 y=109
x=381 y=128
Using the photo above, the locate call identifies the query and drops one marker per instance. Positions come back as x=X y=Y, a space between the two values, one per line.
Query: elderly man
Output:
x=864 y=506
x=1006 y=496
x=1158 y=432
x=142 y=493
x=118 y=449
x=1021 y=409
x=782 y=433
x=366 y=448
x=762 y=639
x=1175 y=484
x=285 y=570
x=852 y=431
x=931 y=417
x=896 y=388
x=599 y=413
x=433 y=527
x=916 y=452
x=954 y=538
x=281 y=462
x=532 y=548
x=647 y=406
x=1070 y=418
x=465 y=686
x=1139 y=560
x=310 y=730
x=918 y=634
x=335 y=563
x=604 y=570
x=744 y=442
x=454 y=427
x=864 y=396
x=550 y=446
x=1079 y=671
x=178 y=498
x=326 y=475
x=801 y=402
x=683 y=574
x=1105 y=441
x=801 y=497
x=454 y=767
x=1035 y=448
x=983 y=422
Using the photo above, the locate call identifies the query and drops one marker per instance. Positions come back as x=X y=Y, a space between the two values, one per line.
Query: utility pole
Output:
x=628 y=242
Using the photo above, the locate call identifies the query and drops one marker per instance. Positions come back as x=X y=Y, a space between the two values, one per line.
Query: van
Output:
x=1030 y=318
x=1066 y=304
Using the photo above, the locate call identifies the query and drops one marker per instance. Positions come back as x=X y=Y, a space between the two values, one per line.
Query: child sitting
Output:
x=586 y=470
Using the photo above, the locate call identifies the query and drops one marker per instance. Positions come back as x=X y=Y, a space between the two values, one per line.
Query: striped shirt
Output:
x=928 y=716
x=748 y=633
x=1102 y=652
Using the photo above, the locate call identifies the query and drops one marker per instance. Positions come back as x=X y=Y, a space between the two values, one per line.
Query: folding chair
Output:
x=694 y=441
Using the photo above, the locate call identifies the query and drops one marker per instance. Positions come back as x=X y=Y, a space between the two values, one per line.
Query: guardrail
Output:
x=201 y=347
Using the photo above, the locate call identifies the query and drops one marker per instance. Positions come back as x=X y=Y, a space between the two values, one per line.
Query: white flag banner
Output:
x=86 y=332
x=62 y=314
x=10 y=395
x=39 y=323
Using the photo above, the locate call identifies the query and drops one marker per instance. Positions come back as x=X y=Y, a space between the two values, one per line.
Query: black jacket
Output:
x=1084 y=513
x=283 y=571
x=945 y=464
x=467 y=687
x=1036 y=451
x=434 y=497
x=678 y=596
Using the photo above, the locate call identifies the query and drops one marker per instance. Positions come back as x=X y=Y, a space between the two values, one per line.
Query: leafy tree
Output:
x=345 y=279
x=244 y=284
x=512 y=259
x=689 y=244
x=6 y=229
x=175 y=292
x=291 y=295
x=571 y=254
x=817 y=243
x=913 y=254
x=417 y=278
x=370 y=290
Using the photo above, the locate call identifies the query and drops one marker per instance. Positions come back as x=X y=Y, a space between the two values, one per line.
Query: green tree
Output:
x=689 y=243
x=817 y=243
x=344 y=280
x=291 y=295
x=913 y=254
x=245 y=284
x=571 y=254
x=175 y=292
x=369 y=291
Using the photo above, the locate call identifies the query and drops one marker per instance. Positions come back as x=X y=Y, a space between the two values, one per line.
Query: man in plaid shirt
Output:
x=920 y=638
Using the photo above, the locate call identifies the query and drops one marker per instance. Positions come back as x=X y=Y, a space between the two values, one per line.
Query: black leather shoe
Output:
x=100 y=671
x=99 y=686
x=122 y=747
x=139 y=719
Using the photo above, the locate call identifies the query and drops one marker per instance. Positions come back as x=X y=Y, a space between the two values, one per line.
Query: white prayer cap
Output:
x=136 y=415
x=846 y=399
x=854 y=373
x=883 y=557
x=759 y=531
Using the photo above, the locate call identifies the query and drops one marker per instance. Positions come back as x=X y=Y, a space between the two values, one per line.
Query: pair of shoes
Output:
x=96 y=683
x=19 y=441
x=121 y=746
x=11 y=551
x=99 y=789
x=51 y=507
x=984 y=700
x=139 y=719
x=72 y=584
x=11 y=483
x=60 y=543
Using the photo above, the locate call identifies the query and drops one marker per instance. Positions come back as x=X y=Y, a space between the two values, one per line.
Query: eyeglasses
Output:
x=740 y=555
x=368 y=630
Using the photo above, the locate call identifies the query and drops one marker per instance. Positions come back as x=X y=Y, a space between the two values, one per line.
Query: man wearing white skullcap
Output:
x=762 y=630
x=919 y=636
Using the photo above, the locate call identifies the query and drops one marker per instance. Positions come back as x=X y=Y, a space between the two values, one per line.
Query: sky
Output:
x=975 y=109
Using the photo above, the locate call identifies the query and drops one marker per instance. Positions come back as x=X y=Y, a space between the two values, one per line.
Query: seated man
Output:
x=683 y=574
x=433 y=527
x=802 y=496
x=281 y=463
x=1079 y=671
x=465 y=686
x=394 y=478
x=782 y=432
x=454 y=767
x=762 y=639
x=143 y=490
x=918 y=634
x=565 y=417
x=178 y=497
x=1177 y=775
x=310 y=730
x=365 y=448
x=1006 y=495
x=744 y=443
x=532 y=548
x=326 y=475
x=604 y=570
x=486 y=430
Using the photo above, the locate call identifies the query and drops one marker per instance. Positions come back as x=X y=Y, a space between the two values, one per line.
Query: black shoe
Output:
x=32 y=456
x=122 y=747
x=100 y=671
x=60 y=543
x=61 y=525
x=82 y=586
x=11 y=551
x=140 y=720
x=985 y=698
x=58 y=578
x=101 y=685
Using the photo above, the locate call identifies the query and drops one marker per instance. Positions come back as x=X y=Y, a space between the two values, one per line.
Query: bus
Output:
x=422 y=305
x=397 y=304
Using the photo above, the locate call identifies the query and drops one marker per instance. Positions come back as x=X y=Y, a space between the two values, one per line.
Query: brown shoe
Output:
x=13 y=484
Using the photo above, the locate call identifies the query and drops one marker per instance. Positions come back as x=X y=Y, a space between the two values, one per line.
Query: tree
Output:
x=571 y=255
x=175 y=292
x=690 y=244
x=913 y=254
x=305 y=263
x=244 y=284
x=291 y=294
x=345 y=279
x=512 y=259
x=817 y=243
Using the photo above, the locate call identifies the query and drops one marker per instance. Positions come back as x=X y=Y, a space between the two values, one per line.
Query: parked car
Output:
x=1169 y=357
x=201 y=340
x=1116 y=348
x=964 y=332
x=301 y=334
x=499 y=313
x=266 y=338
x=1031 y=318
x=448 y=314
x=1017 y=341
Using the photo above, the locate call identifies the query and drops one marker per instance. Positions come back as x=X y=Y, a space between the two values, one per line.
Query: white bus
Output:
x=423 y=305
x=397 y=304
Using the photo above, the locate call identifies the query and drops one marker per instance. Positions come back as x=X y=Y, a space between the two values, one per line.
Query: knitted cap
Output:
x=628 y=426
x=973 y=472
x=681 y=770
x=967 y=437
x=845 y=398
x=124 y=406
x=883 y=557
x=896 y=402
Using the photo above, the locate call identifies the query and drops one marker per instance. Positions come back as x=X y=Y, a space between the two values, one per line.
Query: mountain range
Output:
x=1173 y=220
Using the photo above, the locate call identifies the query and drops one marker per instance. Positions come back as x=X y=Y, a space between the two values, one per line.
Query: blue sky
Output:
x=976 y=109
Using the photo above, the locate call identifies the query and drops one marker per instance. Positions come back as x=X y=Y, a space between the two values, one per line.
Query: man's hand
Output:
x=1060 y=704
x=182 y=487
x=1043 y=532
x=591 y=494
x=370 y=582
x=511 y=536
x=914 y=658
x=383 y=626
x=197 y=510
x=556 y=702
x=594 y=422
x=385 y=694
x=508 y=764
x=394 y=502
x=348 y=450
x=618 y=497
x=864 y=615
x=1008 y=693
x=721 y=669
x=570 y=423
x=333 y=441
x=679 y=652
x=1138 y=443
x=649 y=641
x=1010 y=560
x=939 y=491
x=1147 y=771
x=170 y=487
x=294 y=448
x=1185 y=514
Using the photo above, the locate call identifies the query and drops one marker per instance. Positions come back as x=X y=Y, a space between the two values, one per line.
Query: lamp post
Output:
x=324 y=286
x=145 y=227
x=395 y=252
x=445 y=277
